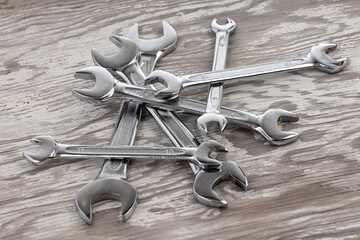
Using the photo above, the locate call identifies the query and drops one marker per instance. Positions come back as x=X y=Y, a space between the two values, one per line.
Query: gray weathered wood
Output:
x=308 y=189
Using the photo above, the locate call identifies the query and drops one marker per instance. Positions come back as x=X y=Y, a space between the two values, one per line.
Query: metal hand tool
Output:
x=200 y=156
x=265 y=124
x=215 y=92
x=204 y=181
x=151 y=50
x=317 y=58
x=111 y=182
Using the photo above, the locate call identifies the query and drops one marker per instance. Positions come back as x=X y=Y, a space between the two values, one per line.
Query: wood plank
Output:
x=305 y=190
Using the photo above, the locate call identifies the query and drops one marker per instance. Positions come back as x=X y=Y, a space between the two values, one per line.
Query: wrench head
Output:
x=104 y=84
x=48 y=149
x=229 y=27
x=203 y=152
x=127 y=54
x=205 y=181
x=162 y=45
x=268 y=126
x=206 y=118
x=318 y=55
x=172 y=83
x=103 y=189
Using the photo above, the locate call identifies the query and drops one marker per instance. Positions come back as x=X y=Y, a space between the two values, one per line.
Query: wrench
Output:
x=316 y=58
x=200 y=156
x=111 y=181
x=215 y=92
x=204 y=181
x=152 y=50
x=265 y=124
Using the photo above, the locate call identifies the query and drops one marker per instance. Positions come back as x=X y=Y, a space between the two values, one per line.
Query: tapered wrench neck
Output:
x=148 y=61
x=221 y=45
x=134 y=74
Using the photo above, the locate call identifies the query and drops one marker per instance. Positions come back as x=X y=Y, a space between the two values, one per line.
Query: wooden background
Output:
x=305 y=190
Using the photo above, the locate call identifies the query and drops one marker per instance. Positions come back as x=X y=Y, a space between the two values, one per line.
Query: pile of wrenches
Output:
x=134 y=64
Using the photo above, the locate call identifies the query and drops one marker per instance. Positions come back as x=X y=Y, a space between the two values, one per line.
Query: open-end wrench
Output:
x=111 y=182
x=204 y=181
x=151 y=50
x=265 y=124
x=316 y=58
x=200 y=156
x=216 y=90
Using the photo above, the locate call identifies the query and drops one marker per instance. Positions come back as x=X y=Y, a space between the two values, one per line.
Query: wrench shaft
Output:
x=126 y=151
x=180 y=104
x=221 y=45
x=255 y=70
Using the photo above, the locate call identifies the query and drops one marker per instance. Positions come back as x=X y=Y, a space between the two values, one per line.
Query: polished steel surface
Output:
x=181 y=136
x=213 y=105
x=266 y=124
x=316 y=58
x=200 y=156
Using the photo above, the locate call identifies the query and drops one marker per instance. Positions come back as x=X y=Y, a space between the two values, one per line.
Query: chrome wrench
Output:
x=181 y=136
x=316 y=58
x=200 y=155
x=106 y=87
x=213 y=105
x=111 y=181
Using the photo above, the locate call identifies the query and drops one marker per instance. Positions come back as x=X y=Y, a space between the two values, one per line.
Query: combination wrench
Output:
x=213 y=105
x=316 y=58
x=204 y=181
x=200 y=156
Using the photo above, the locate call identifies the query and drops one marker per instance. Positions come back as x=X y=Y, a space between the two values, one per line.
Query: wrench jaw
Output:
x=203 y=152
x=229 y=27
x=164 y=44
x=104 y=85
x=268 y=127
x=172 y=83
x=128 y=54
x=318 y=56
x=205 y=181
x=48 y=150
x=206 y=118
x=104 y=189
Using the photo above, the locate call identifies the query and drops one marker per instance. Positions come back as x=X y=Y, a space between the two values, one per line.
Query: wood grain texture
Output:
x=305 y=190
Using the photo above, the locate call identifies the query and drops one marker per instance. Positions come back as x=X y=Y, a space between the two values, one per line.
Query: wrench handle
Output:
x=181 y=104
x=219 y=63
x=127 y=152
x=249 y=71
x=214 y=98
x=221 y=46
x=168 y=121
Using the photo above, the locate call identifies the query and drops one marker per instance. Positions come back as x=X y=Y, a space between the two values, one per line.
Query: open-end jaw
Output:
x=208 y=117
x=205 y=181
x=48 y=149
x=165 y=43
x=325 y=63
x=204 y=151
x=106 y=188
x=172 y=83
x=128 y=53
x=229 y=27
x=103 y=88
x=268 y=126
